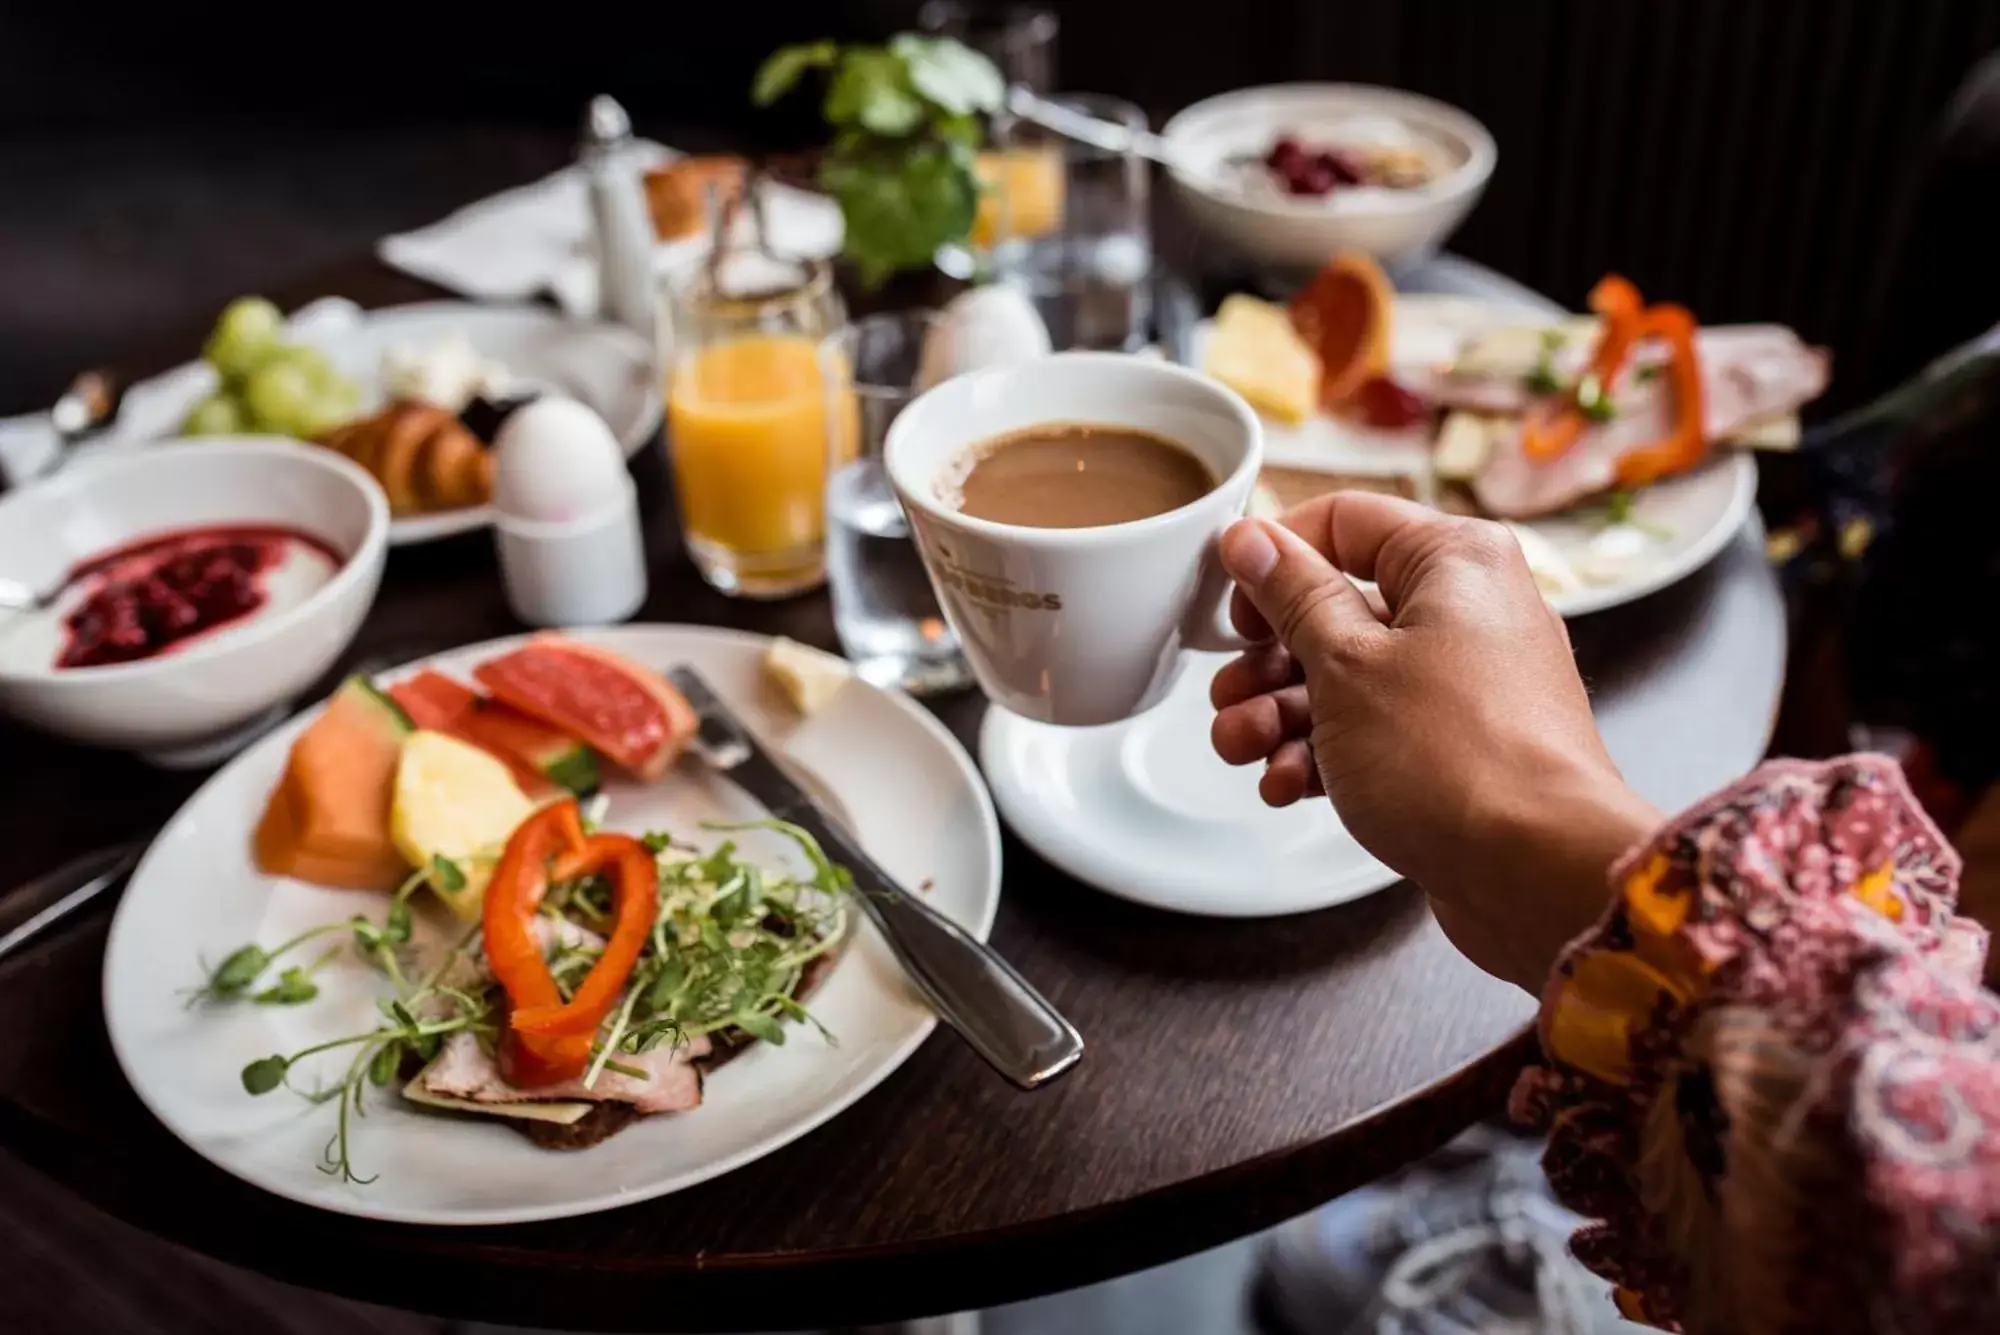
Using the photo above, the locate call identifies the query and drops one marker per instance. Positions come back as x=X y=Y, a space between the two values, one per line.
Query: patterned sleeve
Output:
x=1772 y=1074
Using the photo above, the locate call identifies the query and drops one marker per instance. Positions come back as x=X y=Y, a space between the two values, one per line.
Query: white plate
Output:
x=608 y=367
x=1679 y=525
x=1146 y=811
x=907 y=789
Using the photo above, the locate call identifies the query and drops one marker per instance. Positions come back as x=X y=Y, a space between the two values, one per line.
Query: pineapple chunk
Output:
x=453 y=801
x=1254 y=350
x=808 y=677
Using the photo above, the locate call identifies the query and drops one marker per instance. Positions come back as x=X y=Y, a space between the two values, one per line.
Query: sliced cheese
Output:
x=559 y=1112
x=1254 y=350
x=1464 y=443
x=809 y=677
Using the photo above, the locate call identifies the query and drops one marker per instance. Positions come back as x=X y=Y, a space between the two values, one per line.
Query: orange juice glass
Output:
x=750 y=413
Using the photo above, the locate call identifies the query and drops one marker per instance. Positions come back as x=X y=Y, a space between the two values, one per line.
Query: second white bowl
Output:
x=1288 y=232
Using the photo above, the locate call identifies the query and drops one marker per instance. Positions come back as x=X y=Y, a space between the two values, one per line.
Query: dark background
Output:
x=1752 y=158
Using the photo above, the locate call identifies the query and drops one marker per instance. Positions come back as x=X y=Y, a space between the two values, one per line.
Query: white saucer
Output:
x=1146 y=811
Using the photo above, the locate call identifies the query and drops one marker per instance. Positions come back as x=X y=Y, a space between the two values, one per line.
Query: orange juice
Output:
x=1021 y=195
x=748 y=425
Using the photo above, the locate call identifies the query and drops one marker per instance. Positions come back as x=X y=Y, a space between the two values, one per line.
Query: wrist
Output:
x=1557 y=845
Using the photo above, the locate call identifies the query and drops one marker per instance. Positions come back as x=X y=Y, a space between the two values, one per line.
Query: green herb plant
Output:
x=906 y=125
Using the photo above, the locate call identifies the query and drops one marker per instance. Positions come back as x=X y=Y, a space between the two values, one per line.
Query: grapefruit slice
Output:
x=1343 y=314
x=622 y=710
x=546 y=761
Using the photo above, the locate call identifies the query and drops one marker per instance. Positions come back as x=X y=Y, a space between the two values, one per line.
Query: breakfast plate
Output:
x=889 y=770
x=1585 y=563
x=1146 y=811
x=606 y=367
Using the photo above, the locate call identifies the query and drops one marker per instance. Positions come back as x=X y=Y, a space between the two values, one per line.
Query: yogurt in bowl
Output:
x=203 y=584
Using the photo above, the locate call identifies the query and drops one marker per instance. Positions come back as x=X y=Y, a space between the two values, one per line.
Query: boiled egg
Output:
x=987 y=326
x=556 y=460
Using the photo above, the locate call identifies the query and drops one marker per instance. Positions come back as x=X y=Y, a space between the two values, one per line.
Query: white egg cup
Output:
x=587 y=571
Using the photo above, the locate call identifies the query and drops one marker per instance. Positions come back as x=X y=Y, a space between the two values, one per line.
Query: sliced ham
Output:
x=1750 y=355
x=462 y=1070
x=1750 y=375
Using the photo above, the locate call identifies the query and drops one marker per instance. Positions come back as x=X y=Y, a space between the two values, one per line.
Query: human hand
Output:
x=1442 y=713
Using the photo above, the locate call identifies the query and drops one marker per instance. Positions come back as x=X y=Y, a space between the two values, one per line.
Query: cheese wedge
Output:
x=1254 y=350
x=809 y=677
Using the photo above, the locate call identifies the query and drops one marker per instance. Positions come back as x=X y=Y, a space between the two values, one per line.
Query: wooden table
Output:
x=1238 y=1072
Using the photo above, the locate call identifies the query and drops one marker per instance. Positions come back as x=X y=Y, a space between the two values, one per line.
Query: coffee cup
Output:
x=1088 y=625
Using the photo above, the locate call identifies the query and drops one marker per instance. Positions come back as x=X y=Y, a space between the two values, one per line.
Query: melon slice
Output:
x=328 y=819
x=622 y=710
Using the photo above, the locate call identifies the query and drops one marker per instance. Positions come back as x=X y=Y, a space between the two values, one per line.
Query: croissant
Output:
x=422 y=455
x=676 y=194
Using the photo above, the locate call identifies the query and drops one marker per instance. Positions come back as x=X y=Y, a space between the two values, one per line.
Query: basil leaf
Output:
x=871 y=89
x=899 y=208
x=783 y=68
x=957 y=79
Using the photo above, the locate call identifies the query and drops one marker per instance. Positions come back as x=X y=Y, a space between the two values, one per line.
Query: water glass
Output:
x=884 y=611
x=1070 y=223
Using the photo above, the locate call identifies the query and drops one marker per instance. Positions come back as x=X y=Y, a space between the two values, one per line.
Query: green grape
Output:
x=279 y=395
x=216 y=415
x=245 y=331
x=322 y=415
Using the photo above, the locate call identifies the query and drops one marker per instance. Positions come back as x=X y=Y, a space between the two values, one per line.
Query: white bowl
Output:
x=1296 y=232
x=238 y=673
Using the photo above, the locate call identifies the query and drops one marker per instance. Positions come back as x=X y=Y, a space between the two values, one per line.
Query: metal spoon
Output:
x=15 y=596
x=1107 y=135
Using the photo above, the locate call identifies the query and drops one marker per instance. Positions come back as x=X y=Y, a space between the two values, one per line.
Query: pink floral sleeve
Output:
x=1772 y=1074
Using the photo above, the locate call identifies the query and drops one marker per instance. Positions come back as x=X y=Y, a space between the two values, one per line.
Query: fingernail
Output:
x=1248 y=552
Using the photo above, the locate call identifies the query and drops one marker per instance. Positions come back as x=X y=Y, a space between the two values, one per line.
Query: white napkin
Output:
x=536 y=239
x=154 y=408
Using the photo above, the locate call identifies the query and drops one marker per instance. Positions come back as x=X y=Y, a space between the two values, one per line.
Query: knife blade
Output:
x=55 y=896
x=981 y=996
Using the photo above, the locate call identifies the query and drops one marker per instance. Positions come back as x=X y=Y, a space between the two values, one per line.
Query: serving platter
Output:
x=1674 y=528
x=888 y=769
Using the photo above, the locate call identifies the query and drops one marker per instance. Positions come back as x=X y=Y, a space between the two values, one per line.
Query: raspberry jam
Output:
x=155 y=595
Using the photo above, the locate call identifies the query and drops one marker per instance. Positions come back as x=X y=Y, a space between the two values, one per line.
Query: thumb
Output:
x=1294 y=591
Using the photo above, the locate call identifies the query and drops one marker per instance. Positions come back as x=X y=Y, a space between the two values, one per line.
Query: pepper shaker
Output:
x=621 y=223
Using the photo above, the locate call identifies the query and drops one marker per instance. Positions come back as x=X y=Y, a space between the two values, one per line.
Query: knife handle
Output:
x=976 y=992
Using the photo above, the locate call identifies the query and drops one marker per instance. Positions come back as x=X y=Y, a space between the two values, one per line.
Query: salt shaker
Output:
x=566 y=517
x=621 y=223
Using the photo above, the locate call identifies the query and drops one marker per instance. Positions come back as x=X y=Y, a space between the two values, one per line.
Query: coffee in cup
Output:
x=1079 y=475
x=1067 y=510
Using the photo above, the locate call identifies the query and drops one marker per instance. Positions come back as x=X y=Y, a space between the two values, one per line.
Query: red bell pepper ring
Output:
x=547 y=1039
x=1687 y=440
x=1554 y=425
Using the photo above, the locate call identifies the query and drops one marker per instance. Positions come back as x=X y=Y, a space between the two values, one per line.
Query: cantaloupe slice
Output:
x=328 y=819
x=1344 y=315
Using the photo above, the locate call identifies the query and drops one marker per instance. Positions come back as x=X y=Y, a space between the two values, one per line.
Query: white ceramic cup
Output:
x=1077 y=626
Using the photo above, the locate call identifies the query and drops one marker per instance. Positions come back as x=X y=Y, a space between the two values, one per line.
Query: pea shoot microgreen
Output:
x=729 y=949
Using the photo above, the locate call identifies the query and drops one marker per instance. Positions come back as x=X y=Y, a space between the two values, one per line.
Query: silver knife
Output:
x=62 y=892
x=972 y=989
